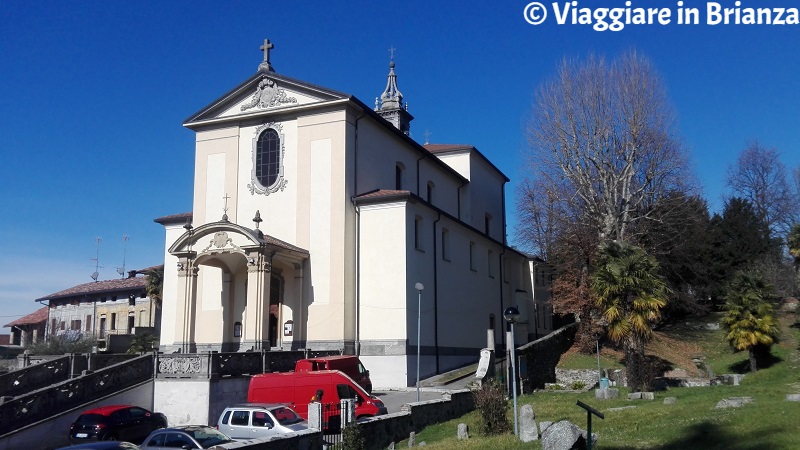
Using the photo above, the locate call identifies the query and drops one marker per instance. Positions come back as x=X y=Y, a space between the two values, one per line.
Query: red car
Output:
x=115 y=423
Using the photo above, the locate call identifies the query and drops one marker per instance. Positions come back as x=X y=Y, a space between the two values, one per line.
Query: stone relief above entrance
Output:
x=268 y=94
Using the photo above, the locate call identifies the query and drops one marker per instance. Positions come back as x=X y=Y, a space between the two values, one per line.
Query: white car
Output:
x=259 y=420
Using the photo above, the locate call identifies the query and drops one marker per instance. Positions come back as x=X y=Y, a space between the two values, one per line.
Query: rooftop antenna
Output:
x=96 y=259
x=121 y=270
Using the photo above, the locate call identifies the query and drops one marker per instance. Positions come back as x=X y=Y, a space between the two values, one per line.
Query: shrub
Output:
x=62 y=344
x=577 y=385
x=352 y=439
x=143 y=343
x=492 y=406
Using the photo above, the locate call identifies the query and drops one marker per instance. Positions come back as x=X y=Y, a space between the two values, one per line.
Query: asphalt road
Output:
x=395 y=399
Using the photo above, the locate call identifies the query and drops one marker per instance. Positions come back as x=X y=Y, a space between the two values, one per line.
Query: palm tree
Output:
x=750 y=320
x=630 y=294
x=154 y=287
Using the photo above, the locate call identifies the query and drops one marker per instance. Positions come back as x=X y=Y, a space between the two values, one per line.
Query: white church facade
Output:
x=314 y=219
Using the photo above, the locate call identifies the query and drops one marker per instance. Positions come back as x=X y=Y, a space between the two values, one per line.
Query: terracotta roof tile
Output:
x=277 y=242
x=174 y=218
x=99 y=286
x=382 y=193
x=439 y=148
x=33 y=318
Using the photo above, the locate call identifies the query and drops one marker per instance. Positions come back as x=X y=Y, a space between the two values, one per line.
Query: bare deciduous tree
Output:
x=760 y=177
x=603 y=146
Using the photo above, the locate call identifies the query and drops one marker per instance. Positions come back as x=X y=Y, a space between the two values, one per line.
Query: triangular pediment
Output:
x=263 y=93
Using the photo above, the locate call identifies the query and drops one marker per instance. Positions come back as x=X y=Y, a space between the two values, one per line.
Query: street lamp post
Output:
x=419 y=287
x=511 y=314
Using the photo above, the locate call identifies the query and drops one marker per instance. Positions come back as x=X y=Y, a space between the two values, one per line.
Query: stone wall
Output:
x=540 y=357
x=566 y=377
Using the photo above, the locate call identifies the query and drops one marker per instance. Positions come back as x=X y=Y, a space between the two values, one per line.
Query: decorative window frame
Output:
x=280 y=183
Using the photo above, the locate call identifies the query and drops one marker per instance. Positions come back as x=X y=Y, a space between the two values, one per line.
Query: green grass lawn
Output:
x=769 y=422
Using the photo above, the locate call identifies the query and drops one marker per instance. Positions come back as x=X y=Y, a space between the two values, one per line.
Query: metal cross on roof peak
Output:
x=225 y=207
x=391 y=52
x=266 y=48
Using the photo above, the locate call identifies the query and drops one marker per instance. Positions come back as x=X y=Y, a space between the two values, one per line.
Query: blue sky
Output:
x=93 y=94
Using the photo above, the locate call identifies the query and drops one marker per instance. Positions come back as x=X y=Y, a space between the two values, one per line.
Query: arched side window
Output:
x=399 y=168
x=268 y=152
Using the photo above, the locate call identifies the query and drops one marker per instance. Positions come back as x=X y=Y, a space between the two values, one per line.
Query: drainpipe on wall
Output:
x=502 y=307
x=503 y=195
x=357 y=248
x=436 y=291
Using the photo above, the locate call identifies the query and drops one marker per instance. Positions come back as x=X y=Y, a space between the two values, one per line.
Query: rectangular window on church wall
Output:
x=472 y=262
x=418 y=233
x=445 y=244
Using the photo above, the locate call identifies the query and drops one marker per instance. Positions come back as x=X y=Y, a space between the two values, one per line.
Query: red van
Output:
x=298 y=389
x=348 y=364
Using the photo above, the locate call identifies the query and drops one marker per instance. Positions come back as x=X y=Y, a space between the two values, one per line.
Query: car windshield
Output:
x=208 y=437
x=286 y=416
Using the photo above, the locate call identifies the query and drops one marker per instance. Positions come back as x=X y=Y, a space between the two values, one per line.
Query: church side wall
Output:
x=169 y=301
x=384 y=288
x=378 y=153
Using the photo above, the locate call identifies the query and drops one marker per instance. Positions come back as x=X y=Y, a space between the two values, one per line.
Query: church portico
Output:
x=235 y=287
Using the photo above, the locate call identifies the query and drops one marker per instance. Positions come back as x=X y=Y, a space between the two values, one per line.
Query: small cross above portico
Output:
x=265 y=65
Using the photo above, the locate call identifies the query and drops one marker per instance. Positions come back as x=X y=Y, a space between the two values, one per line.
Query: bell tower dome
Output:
x=390 y=105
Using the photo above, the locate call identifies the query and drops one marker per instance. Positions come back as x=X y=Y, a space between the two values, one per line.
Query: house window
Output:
x=88 y=322
x=418 y=233
x=429 y=194
x=445 y=244
x=237 y=329
x=491 y=321
x=472 y=261
x=268 y=157
x=113 y=321
x=489 y=262
x=62 y=326
x=398 y=176
x=487 y=220
x=53 y=326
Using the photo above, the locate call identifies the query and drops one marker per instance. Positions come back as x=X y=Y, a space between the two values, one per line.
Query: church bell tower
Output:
x=390 y=105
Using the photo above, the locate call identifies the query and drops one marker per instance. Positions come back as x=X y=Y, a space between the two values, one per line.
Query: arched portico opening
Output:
x=230 y=288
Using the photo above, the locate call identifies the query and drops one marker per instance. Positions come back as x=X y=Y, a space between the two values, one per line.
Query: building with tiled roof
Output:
x=28 y=329
x=319 y=223
x=102 y=308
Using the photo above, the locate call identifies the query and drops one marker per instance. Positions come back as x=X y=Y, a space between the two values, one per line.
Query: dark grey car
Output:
x=186 y=437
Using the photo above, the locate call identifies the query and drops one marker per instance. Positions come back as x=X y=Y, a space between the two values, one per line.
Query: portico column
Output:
x=256 y=313
x=187 y=299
